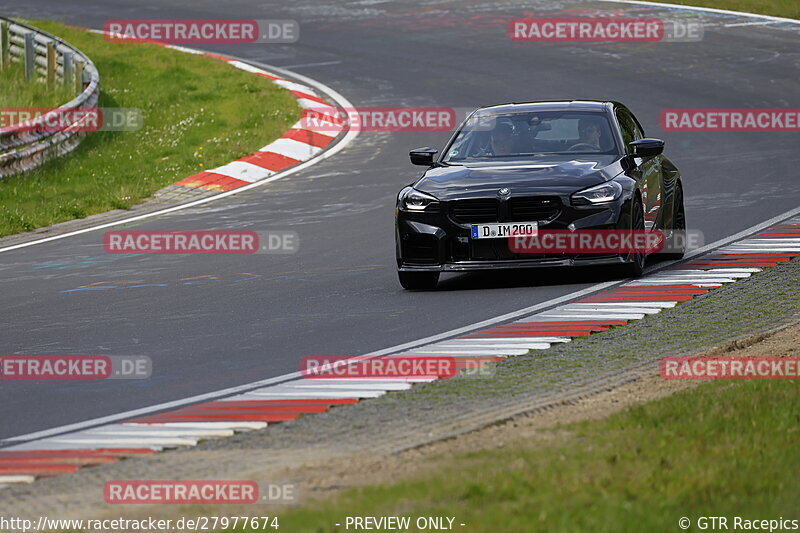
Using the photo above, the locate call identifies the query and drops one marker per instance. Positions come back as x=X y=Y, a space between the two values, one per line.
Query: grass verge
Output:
x=16 y=92
x=198 y=113
x=721 y=449
x=776 y=8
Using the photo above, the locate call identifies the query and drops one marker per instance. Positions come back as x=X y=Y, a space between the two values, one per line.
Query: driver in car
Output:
x=589 y=132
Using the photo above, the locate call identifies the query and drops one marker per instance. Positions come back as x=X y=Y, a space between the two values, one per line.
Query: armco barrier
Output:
x=25 y=146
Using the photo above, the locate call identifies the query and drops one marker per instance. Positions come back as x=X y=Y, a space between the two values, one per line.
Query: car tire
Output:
x=421 y=281
x=678 y=224
x=635 y=267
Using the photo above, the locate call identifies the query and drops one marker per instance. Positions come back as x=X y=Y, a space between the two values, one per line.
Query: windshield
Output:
x=512 y=136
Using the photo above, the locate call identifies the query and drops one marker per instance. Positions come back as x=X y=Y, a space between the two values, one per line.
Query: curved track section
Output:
x=215 y=322
x=257 y=406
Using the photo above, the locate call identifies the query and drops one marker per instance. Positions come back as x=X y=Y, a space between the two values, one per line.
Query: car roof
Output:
x=554 y=105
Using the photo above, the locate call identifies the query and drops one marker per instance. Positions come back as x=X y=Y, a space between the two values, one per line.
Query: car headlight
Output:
x=605 y=192
x=414 y=200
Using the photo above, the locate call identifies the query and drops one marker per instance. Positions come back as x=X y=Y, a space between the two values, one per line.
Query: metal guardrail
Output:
x=29 y=144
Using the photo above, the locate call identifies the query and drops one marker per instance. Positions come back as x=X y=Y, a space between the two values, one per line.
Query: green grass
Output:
x=16 y=92
x=776 y=8
x=719 y=450
x=197 y=111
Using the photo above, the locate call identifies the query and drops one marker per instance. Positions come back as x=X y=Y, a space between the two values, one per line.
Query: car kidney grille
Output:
x=530 y=208
x=476 y=210
x=520 y=209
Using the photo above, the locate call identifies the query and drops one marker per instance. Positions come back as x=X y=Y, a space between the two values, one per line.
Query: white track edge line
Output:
x=402 y=347
x=705 y=9
x=347 y=139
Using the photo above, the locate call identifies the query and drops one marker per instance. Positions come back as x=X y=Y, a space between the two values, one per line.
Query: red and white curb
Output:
x=277 y=162
x=287 y=400
x=300 y=143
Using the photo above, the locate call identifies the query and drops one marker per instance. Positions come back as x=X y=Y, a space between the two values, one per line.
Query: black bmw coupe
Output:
x=522 y=168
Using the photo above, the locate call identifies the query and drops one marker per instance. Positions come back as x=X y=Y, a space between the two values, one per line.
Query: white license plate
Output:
x=503 y=230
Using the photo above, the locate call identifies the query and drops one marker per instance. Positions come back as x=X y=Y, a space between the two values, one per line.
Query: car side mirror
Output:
x=647 y=147
x=423 y=156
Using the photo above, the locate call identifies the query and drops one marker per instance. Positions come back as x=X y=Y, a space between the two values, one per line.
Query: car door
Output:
x=650 y=169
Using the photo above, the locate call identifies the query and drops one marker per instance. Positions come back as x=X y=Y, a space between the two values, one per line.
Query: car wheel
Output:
x=418 y=280
x=678 y=226
x=635 y=267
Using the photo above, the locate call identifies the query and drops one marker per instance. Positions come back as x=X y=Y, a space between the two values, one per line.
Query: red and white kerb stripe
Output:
x=298 y=144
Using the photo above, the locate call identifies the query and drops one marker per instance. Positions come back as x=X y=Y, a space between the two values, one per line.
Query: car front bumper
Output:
x=468 y=266
x=437 y=242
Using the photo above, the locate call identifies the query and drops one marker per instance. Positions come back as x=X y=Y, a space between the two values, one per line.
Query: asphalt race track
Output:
x=210 y=322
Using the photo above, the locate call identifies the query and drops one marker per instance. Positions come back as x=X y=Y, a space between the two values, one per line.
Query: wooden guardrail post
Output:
x=30 y=56
x=51 y=64
x=4 y=45
x=68 y=78
x=79 y=75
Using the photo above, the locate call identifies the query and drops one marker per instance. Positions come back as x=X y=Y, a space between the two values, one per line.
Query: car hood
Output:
x=552 y=177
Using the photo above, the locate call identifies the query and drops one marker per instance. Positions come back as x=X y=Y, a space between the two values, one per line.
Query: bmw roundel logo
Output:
x=505 y=191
